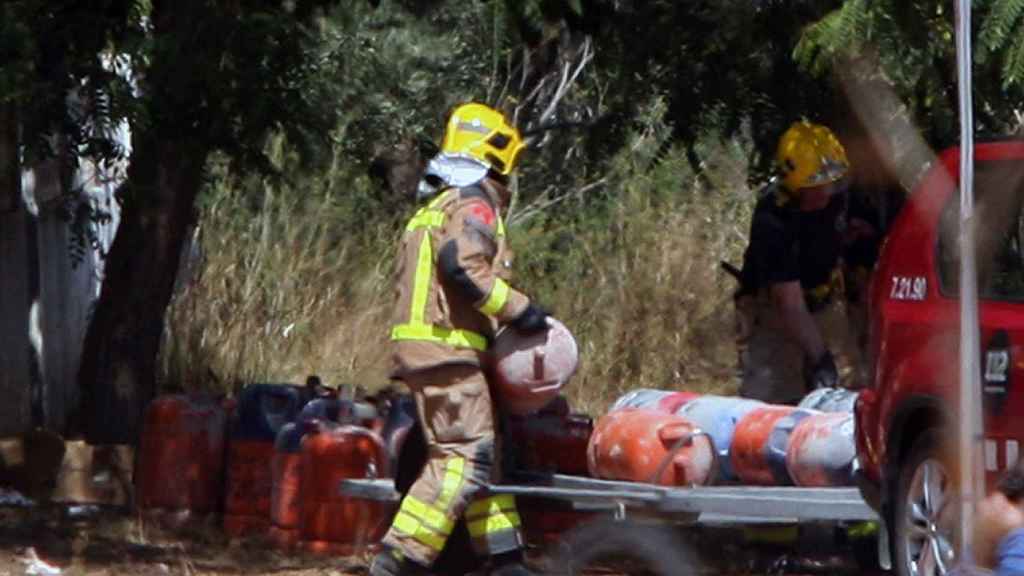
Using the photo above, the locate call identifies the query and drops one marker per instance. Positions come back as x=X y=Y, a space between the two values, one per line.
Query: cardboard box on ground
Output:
x=42 y=466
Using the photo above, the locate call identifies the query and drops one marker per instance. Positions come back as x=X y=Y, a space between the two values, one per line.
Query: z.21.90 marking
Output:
x=908 y=288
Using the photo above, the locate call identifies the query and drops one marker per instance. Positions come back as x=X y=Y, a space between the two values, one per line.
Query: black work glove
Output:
x=821 y=374
x=531 y=320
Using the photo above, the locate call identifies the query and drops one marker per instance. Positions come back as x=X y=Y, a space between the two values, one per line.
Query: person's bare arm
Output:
x=788 y=298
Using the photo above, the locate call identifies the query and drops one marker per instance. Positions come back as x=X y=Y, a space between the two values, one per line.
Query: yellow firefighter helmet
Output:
x=482 y=133
x=810 y=155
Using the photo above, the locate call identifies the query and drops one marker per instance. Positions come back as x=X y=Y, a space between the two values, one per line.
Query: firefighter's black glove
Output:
x=822 y=373
x=531 y=320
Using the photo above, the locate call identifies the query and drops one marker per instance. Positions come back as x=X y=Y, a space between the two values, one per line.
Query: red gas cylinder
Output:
x=263 y=409
x=181 y=455
x=551 y=442
x=530 y=370
x=286 y=485
x=821 y=451
x=546 y=521
x=247 y=491
x=632 y=444
x=330 y=522
x=758 y=451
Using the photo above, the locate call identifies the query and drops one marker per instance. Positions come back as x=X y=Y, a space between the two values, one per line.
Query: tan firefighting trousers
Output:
x=771 y=365
x=455 y=408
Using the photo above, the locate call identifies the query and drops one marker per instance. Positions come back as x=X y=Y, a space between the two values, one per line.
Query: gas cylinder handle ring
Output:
x=684 y=440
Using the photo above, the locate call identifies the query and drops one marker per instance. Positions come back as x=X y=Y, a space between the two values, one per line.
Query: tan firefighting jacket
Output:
x=450 y=292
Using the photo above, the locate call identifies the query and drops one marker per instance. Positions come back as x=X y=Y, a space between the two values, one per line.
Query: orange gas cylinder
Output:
x=181 y=454
x=821 y=451
x=530 y=370
x=633 y=443
x=758 y=451
x=331 y=522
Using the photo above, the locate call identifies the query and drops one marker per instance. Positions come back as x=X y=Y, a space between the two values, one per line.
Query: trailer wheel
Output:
x=924 y=511
x=625 y=546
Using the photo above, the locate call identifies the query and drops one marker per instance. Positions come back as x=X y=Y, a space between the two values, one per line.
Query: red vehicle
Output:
x=906 y=423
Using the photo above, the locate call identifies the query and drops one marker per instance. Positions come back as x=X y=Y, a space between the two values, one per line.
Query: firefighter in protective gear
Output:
x=791 y=285
x=452 y=294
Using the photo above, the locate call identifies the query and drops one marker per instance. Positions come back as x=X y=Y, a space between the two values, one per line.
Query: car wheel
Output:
x=626 y=547
x=924 y=519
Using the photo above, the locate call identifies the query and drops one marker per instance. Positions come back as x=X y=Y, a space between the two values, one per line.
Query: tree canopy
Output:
x=206 y=83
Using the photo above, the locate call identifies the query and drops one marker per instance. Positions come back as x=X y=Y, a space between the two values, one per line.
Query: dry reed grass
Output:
x=299 y=283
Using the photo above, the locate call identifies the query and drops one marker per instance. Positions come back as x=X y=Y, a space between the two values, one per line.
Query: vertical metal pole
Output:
x=970 y=439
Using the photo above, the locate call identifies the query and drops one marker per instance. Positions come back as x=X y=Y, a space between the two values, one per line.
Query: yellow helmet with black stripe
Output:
x=482 y=133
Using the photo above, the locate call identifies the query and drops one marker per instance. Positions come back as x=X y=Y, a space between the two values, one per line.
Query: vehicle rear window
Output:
x=998 y=192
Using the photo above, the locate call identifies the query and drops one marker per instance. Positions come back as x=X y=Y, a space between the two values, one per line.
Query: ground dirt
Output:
x=39 y=539
x=90 y=541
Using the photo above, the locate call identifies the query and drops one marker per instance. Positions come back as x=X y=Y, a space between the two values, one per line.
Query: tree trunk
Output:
x=15 y=295
x=118 y=372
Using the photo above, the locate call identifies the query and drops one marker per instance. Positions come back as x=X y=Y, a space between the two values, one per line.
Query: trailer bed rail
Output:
x=717 y=504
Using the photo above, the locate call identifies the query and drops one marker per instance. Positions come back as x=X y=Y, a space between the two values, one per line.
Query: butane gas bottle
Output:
x=263 y=409
x=529 y=371
x=286 y=465
x=181 y=454
x=633 y=444
x=286 y=484
x=664 y=400
x=552 y=441
x=718 y=415
x=830 y=400
x=759 y=444
x=821 y=451
x=401 y=418
x=331 y=522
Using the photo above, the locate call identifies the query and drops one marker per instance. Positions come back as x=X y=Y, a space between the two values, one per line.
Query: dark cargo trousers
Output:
x=455 y=408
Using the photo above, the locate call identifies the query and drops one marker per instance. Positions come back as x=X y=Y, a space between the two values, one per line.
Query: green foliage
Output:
x=843 y=30
x=1000 y=36
x=913 y=43
x=51 y=52
x=621 y=212
x=403 y=72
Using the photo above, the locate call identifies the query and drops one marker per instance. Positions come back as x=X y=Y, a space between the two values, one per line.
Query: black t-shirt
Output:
x=788 y=245
x=867 y=205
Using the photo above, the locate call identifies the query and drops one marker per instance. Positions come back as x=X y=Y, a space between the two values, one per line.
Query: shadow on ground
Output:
x=89 y=540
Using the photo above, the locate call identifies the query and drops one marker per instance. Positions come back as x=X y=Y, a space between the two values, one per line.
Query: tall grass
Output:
x=297 y=280
x=640 y=285
x=294 y=281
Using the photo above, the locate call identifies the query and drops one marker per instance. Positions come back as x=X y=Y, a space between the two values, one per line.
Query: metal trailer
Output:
x=637 y=513
x=693 y=505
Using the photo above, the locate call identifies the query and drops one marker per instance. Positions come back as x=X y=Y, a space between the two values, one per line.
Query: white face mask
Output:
x=452 y=171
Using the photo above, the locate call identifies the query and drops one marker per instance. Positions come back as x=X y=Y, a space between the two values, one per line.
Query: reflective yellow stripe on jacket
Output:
x=428 y=218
